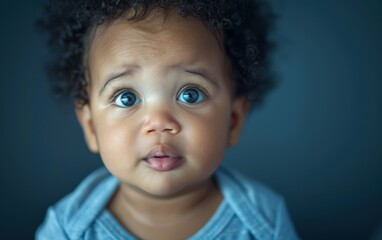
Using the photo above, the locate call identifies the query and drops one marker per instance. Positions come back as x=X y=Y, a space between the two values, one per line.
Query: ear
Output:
x=240 y=107
x=84 y=116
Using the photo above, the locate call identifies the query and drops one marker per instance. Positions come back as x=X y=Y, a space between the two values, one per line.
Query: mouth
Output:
x=162 y=158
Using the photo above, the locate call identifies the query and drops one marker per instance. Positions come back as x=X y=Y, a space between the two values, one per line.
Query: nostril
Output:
x=150 y=131
x=168 y=130
x=161 y=124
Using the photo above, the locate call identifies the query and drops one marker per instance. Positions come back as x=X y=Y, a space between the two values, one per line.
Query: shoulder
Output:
x=73 y=214
x=259 y=208
x=236 y=185
x=91 y=192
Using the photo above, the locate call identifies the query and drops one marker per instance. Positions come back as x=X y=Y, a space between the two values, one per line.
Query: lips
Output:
x=163 y=158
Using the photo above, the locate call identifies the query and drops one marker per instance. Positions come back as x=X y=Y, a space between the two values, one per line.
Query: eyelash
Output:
x=199 y=88
x=117 y=91
x=202 y=89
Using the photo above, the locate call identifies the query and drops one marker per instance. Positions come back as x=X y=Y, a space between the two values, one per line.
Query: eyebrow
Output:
x=114 y=76
x=200 y=72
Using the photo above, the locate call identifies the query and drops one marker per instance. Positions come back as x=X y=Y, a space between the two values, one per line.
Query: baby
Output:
x=161 y=89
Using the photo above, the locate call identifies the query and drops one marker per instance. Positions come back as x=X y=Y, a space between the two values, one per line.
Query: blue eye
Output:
x=126 y=99
x=191 y=95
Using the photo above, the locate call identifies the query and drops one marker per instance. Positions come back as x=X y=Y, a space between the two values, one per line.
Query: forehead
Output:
x=172 y=38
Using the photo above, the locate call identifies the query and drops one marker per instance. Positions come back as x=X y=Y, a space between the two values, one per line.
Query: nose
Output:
x=161 y=122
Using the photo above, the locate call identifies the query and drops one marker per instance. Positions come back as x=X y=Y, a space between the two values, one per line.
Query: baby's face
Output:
x=162 y=109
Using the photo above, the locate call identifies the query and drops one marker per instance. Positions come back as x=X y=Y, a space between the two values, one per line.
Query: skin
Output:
x=157 y=58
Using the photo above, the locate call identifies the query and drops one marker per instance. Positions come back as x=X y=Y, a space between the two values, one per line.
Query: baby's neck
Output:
x=175 y=217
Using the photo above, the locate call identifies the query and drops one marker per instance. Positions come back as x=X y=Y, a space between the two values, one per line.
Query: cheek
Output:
x=116 y=139
x=209 y=135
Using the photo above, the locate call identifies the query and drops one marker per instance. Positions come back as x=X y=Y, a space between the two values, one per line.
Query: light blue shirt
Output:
x=249 y=210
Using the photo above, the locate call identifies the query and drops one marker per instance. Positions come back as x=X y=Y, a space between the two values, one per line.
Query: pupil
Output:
x=128 y=99
x=191 y=95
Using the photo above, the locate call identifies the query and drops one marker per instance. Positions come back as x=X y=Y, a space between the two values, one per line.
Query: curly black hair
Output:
x=245 y=25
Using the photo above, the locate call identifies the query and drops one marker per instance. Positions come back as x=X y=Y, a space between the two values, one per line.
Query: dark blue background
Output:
x=317 y=139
